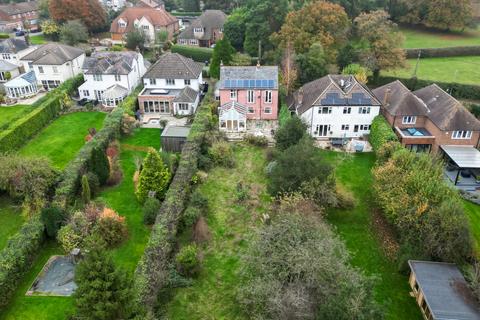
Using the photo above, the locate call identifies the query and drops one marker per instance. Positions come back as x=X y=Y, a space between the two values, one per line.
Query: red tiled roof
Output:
x=158 y=17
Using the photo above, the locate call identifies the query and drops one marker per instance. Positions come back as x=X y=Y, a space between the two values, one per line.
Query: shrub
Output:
x=188 y=261
x=221 y=153
x=17 y=257
x=69 y=238
x=52 y=218
x=197 y=54
x=86 y=194
x=191 y=216
x=259 y=141
x=93 y=183
x=111 y=227
x=346 y=199
x=198 y=200
x=290 y=133
x=381 y=133
x=150 y=210
x=154 y=177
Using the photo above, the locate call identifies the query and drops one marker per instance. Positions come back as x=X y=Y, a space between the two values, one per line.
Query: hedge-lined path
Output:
x=11 y=219
x=121 y=198
x=64 y=137
x=212 y=295
x=356 y=228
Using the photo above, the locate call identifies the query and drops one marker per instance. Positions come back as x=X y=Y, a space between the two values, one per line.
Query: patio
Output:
x=463 y=162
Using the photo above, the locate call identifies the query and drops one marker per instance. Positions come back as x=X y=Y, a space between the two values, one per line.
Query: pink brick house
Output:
x=248 y=97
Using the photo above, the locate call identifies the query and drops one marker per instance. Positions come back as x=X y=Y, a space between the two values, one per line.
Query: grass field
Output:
x=355 y=228
x=11 y=114
x=422 y=38
x=38 y=39
x=11 y=219
x=64 y=137
x=122 y=199
x=454 y=69
x=212 y=295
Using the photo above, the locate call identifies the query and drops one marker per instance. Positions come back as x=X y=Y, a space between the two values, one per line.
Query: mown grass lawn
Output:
x=63 y=138
x=212 y=294
x=38 y=39
x=11 y=219
x=422 y=38
x=355 y=228
x=25 y=307
x=122 y=198
x=473 y=213
x=453 y=69
x=12 y=113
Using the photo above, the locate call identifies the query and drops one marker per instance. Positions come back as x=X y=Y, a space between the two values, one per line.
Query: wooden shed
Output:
x=174 y=137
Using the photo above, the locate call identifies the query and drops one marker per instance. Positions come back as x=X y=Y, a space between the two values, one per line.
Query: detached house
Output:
x=428 y=119
x=111 y=76
x=54 y=63
x=11 y=51
x=149 y=21
x=248 y=97
x=171 y=87
x=154 y=4
x=335 y=107
x=204 y=31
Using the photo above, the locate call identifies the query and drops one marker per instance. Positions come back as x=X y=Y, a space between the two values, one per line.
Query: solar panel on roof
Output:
x=271 y=84
x=258 y=83
x=264 y=83
x=251 y=83
x=227 y=83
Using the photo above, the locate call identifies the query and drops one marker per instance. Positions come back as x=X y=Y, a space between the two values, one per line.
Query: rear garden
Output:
x=10 y=219
x=13 y=113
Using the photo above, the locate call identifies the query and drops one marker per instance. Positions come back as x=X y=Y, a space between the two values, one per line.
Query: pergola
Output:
x=464 y=157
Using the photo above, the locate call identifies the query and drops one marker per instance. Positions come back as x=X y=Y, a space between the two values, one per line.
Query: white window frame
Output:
x=170 y=82
x=345 y=127
x=347 y=110
x=322 y=109
x=40 y=69
x=86 y=93
x=364 y=110
x=268 y=96
x=250 y=96
x=183 y=106
x=409 y=119
x=97 y=77
x=153 y=81
x=187 y=82
x=320 y=129
x=461 y=135
x=55 y=69
x=233 y=94
x=118 y=78
x=251 y=110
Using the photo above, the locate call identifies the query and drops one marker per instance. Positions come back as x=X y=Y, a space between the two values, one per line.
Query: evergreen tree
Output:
x=223 y=52
x=191 y=5
x=86 y=194
x=154 y=177
x=103 y=292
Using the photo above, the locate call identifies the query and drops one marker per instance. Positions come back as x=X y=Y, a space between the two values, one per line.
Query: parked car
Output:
x=19 y=33
x=82 y=102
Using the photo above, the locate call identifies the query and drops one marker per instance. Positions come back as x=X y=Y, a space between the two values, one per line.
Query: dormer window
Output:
x=122 y=24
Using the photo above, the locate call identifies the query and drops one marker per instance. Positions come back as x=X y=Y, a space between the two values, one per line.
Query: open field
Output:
x=63 y=138
x=13 y=113
x=422 y=38
x=453 y=69
x=11 y=219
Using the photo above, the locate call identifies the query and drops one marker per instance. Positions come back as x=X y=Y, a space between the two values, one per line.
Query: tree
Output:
x=73 y=32
x=224 y=5
x=297 y=165
x=154 y=177
x=52 y=218
x=86 y=194
x=191 y=5
x=43 y=9
x=90 y=12
x=103 y=291
x=450 y=14
x=234 y=28
x=290 y=133
x=318 y=22
x=289 y=69
x=361 y=73
x=312 y=64
x=383 y=49
x=50 y=29
x=135 y=39
x=222 y=53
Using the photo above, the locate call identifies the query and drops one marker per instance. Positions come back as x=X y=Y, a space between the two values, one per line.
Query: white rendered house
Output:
x=111 y=76
x=335 y=106
x=55 y=63
x=14 y=49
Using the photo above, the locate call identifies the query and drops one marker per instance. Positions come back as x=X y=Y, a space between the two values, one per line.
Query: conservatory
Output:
x=113 y=96
x=23 y=86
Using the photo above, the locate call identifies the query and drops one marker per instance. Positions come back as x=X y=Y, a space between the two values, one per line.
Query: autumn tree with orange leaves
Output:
x=90 y=12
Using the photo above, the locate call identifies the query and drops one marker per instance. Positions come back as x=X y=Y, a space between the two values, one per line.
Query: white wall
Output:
x=191 y=110
x=64 y=72
x=179 y=84
x=336 y=119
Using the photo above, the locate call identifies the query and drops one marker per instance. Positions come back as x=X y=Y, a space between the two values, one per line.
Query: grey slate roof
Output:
x=176 y=131
x=110 y=63
x=18 y=8
x=331 y=90
x=53 y=54
x=248 y=73
x=209 y=20
x=7 y=66
x=174 y=66
x=13 y=45
x=445 y=111
x=446 y=292
x=187 y=95
x=398 y=100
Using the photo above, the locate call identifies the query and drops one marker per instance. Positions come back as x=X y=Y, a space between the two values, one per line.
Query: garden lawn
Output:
x=121 y=198
x=212 y=294
x=25 y=307
x=64 y=137
x=38 y=39
x=473 y=213
x=8 y=115
x=11 y=219
x=421 y=38
x=453 y=69
x=355 y=228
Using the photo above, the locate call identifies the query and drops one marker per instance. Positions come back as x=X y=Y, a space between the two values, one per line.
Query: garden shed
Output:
x=174 y=137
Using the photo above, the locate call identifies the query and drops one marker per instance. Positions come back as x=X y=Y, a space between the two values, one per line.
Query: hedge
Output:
x=457 y=90
x=186 y=13
x=17 y=134
x=17 y=257
x=152 y=274
x=196 y=53
x=443 y=52
x=381 y=132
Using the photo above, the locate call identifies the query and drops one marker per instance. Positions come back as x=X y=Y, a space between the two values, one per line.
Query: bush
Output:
x=69 y=238
x=188 y=262
x=381 y=133
x=86 y=193
x=221 y=153
x=259 y=141
x=346 y=199
x=111 y=227
x=290 y=133
x=191 y=216
x=93 y=183
x=52 y=218
x=150 y=210
x=17 y=257
x=197 y=54
x=154 y=177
